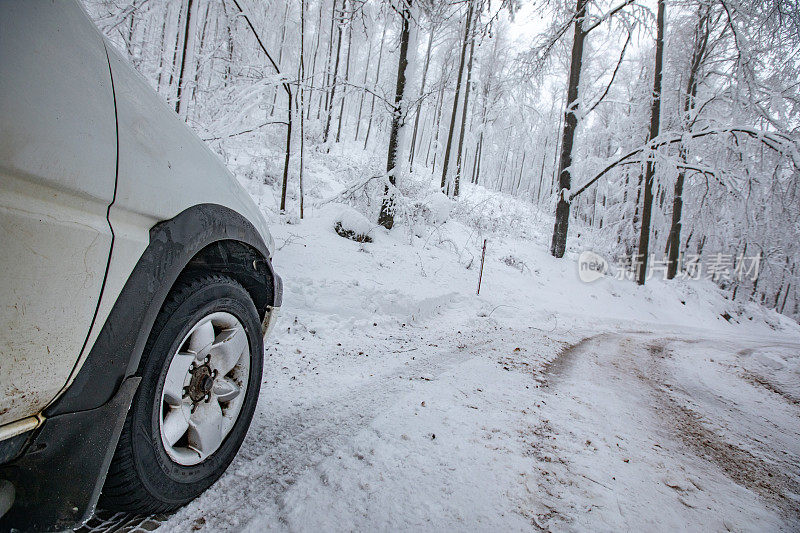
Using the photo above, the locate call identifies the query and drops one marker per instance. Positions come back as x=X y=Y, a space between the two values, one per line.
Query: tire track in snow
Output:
x=284 y=448
x=631 y=366
x=769 y=479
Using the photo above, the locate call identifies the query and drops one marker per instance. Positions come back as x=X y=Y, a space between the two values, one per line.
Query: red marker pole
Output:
x=483 y=256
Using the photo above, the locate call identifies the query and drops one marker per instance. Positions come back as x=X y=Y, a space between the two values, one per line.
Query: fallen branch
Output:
x=351 y=189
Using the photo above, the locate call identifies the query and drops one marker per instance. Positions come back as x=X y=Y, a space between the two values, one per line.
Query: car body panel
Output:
x=57 y=174
x=163 y=169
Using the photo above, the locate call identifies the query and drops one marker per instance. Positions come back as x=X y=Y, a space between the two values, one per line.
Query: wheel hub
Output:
x=201 y=384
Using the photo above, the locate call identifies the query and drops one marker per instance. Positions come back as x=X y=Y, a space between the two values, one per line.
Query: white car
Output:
x=136 y=290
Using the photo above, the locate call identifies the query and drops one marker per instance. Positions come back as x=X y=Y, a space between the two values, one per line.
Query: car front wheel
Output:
x=201 y=372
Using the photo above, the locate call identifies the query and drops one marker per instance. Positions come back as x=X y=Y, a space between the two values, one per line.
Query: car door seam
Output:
x=108 y=220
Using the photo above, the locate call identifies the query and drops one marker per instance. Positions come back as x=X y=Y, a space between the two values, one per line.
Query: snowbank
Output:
x=352 y=225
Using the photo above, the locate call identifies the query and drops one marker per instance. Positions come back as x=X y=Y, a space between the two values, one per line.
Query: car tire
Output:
x=150 y=473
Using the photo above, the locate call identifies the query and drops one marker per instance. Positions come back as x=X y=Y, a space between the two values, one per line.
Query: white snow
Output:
x=439 y=206
x=394 y=398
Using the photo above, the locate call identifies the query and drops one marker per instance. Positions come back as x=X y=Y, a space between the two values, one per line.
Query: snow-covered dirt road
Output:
x=394 y=398
x=622 y=431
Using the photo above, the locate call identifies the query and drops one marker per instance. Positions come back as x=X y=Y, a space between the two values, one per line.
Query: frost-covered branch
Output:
x=779 y=142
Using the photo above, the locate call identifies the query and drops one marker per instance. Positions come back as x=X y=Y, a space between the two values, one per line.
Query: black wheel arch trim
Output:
x=173 y=243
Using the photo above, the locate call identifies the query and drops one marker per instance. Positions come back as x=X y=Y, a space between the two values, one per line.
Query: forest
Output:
x=663 y=133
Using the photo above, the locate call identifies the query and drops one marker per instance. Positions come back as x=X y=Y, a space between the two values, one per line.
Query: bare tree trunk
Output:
x=421 y=94
x=433 y=140
x=502 y=173
x=280 y=56
x=386 y=217
x=186 y=57
x=755 y=281
x=364 y=84
x=449 y=145
x=476 y=162
x=541 y=172
x=559 y=243
x=129 y=39
x=655 y=115
x=314 y=61
x=457 y=181
x=329 y=61
x=175 y=56
x=301 y=90
x=288 y=90
x=213 y=58
x=484 y=114
x=788 y=290
x=701 y=40
x=200 y=46
x=375 y=86
x=738 y=282
x=228 y=22
x=521 y=169
x=785 y=296
x=161 y=49
x=335 y=79
x=346 y=79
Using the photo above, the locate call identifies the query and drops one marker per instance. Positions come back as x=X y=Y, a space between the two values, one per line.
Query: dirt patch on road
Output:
x=758 y=380
x=765 y=479
x=769 y=480
x=565 y=359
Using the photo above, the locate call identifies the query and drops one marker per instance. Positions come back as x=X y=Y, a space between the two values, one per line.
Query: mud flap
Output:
x=59 y=478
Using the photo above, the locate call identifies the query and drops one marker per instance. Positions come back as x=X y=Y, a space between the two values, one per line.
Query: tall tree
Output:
x=346 y=80
x=655 y=117
x=363 y=84
x=335 y=77
x=467 y=85
x=301 y=75
x=386 y=216
x=375 y=85
x=487 y=85
x=329 y=61
x=699 y=47
x=314 y=60
x=559 y=243
x=187 y=58
x=288 y=153
x=454 y=115
x=280 y=55
x=421 y=91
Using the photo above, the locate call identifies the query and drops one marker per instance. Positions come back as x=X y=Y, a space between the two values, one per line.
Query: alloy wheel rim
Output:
x=204 y=388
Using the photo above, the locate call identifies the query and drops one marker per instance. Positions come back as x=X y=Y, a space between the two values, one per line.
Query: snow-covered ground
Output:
x=395 y=398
